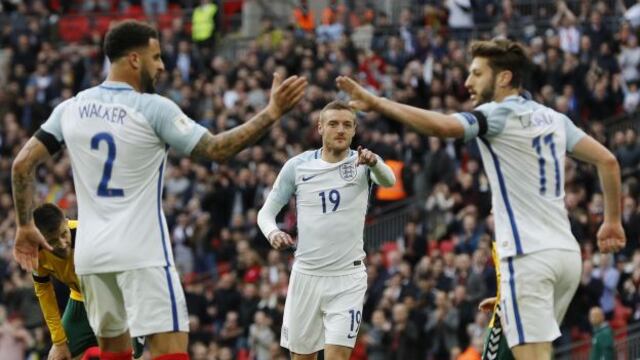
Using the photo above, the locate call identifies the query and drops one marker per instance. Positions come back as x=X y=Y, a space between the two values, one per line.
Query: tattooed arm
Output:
x=222 y=146
x=284 y=95
x=28 y=238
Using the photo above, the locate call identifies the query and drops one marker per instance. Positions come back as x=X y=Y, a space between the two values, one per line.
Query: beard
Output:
x=146 y=82
x=487 y=94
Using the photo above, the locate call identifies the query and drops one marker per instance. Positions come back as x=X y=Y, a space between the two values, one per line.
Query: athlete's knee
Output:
x=540 y=350
x=337 y=352
x=116 y=344
x=168 y=343
x=312 y=356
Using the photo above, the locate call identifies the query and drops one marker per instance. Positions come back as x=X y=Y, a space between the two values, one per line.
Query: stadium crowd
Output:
x=424 y=286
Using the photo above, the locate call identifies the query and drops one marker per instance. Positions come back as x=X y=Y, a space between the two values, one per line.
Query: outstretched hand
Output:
x=361 y=99
x=366 y=157
x=611 y=237
x=285 y=94
x=25 y=249
x=280 y=240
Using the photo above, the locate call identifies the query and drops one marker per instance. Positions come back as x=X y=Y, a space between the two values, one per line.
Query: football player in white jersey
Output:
x=328 y=281
x=523 y=145
x=117 y=135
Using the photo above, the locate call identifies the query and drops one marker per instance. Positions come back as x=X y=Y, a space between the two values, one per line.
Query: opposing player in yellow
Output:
x=71 y=335
x=495 y=345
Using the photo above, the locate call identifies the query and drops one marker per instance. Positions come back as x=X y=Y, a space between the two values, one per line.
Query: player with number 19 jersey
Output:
x=331 y=204
x=113 y=124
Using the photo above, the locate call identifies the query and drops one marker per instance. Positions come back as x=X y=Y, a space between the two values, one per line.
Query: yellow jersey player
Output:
x=71 y=335
x=495 y=345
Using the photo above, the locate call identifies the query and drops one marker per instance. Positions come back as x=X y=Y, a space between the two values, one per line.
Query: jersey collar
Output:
x=115 y=85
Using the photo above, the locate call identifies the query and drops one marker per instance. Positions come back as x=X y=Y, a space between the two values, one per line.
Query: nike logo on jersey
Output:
x=351 y=336
x=307 y=178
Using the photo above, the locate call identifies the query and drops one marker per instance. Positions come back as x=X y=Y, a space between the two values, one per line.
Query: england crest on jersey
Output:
x=348 y=171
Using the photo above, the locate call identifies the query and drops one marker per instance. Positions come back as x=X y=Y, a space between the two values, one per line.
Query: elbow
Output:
x=20 y=166
x=219 y=158
x=609 y=162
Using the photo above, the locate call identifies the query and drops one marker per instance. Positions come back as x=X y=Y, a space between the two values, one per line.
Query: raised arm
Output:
x=284 y=96
x=426 y=122
x=28 y=238
x=381 y=173
x=611 y=235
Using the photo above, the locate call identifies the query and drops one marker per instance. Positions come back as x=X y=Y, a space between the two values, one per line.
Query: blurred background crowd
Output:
x=425 y=280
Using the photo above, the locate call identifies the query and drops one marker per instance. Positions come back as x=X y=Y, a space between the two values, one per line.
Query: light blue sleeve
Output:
x=486 y=120
x=283 y=188
x=285 y=184
x=53 y=125
x=171 y=125
x=574 y=134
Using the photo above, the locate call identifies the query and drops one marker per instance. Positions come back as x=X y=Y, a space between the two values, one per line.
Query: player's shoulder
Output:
x=64 y=104
x=157 y=100
x=304 y=157
x=156 y=107
x=44 y=262
x=510 y=105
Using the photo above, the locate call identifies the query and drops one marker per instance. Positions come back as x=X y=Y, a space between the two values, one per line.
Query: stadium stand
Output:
x=414 y=53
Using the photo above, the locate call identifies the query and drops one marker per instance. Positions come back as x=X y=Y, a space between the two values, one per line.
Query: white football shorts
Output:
x=536 y=290
x=145 y=301
x=322 y=310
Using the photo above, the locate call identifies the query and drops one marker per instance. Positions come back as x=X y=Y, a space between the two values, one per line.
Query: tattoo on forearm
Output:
x=221 y=147
x=22 y=181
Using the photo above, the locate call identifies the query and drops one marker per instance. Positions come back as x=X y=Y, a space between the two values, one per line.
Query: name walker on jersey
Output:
x=112 y=114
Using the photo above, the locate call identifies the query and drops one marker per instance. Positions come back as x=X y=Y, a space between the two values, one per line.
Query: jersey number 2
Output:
x=537 y=145
x=103 y=187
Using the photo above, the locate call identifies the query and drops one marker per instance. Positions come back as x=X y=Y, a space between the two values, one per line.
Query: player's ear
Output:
x=320 y=127
x=504 y=78
x=135 y=60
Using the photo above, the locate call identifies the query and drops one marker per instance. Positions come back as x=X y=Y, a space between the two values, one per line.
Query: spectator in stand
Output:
x=15 y=339
x=602 y=345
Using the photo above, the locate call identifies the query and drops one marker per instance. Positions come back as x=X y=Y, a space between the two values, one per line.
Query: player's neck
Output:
x=333 y=156
x=503 y=94
x=120 y=75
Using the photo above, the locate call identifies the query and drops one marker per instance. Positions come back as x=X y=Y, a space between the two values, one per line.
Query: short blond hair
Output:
x=336 y=105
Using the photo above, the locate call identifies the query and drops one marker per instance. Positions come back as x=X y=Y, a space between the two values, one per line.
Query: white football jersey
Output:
x=117 y=140
x=331 y=204
x=523 y=146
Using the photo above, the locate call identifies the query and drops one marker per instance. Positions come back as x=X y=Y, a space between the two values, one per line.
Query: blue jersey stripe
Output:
x=505 y=196
x=174 y=308
x=114 y=88
x=516 y=311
